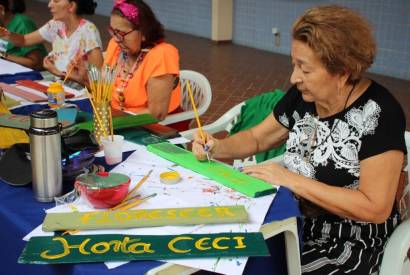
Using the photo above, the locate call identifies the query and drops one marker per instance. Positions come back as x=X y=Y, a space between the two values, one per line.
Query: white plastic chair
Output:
x=395 y=260
x=202 y=92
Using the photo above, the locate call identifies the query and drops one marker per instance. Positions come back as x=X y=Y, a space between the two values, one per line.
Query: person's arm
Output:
x=159 y=90
x=33 y=59
x=19 y=40
x=266 y=135
x=371 y=202
x=48 y=64
x=94 y=57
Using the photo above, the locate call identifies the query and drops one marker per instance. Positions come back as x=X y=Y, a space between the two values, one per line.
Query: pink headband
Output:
x=128 y=10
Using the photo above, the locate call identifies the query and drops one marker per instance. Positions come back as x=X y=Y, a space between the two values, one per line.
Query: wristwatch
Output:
x=3 y=55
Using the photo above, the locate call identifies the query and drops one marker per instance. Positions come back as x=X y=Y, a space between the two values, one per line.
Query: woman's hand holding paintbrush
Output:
x=77 y=69
x=204 y=145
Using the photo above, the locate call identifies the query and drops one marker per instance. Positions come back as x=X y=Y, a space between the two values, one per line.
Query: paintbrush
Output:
x=137 y=186
x=132 y=204
x=198 y=122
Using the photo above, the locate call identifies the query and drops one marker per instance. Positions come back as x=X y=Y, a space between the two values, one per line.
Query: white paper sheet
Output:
x=194 y=190
x=8 y=67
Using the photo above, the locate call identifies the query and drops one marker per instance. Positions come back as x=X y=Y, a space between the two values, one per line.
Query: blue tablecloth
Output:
x=12 y=78
x=20 y=213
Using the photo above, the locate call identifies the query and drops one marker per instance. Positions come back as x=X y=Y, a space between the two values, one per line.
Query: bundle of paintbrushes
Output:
x=101 y=84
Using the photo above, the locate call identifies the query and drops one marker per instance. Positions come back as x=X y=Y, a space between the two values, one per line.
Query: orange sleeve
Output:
x=164 y=59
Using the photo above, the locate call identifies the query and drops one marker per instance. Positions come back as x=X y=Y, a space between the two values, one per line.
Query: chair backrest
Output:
x=395 y=259
x=201 y=90
x=407 y=188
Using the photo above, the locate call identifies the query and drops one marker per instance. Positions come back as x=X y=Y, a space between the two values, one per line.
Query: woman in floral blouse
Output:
x=72 y=37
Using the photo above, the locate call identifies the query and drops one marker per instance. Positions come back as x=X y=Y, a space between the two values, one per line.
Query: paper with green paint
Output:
x=219 y=172
x=113 y=247
x=145 y=218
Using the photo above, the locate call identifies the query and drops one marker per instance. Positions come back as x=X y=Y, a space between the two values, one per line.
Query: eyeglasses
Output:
x=119 y=35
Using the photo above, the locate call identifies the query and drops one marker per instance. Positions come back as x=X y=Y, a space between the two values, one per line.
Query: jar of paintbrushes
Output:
x=101 y=85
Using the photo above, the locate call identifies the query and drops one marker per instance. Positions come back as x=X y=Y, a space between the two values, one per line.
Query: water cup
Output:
x=112 y=149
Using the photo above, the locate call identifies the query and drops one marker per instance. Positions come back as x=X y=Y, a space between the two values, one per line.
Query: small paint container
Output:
x=170 y=177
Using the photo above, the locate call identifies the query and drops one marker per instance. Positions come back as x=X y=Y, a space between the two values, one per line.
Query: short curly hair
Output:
x=340 y=37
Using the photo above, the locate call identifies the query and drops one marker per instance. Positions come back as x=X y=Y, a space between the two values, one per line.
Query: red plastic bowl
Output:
x=99 y=193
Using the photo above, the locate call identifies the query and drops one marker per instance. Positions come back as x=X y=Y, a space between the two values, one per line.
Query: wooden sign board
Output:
x=66 y=116
x=102 y=248
x=39 y=87
x=145 y=218
x=21 y=93
x=219 y=172
x=122 y=122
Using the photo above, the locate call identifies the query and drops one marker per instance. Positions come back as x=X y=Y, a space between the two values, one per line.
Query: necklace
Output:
x=126 y=76
x=314 y=136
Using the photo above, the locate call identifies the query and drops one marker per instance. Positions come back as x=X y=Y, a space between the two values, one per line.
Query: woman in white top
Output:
x=72 y=37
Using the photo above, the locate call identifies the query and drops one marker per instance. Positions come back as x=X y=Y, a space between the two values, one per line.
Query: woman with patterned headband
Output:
x=345 y=144
x=147 y=79
x=72 y=37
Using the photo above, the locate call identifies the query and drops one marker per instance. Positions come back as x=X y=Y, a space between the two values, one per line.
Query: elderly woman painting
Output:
x=345 y=144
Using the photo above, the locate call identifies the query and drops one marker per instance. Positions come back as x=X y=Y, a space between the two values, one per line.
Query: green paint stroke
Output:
x=219 y=172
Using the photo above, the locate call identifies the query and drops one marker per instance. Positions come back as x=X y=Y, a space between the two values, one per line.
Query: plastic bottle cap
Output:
x=171 y=177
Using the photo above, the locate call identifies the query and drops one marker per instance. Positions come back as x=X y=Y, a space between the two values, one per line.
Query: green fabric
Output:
x=220 y=172
x=22 y=24
x=255 y=110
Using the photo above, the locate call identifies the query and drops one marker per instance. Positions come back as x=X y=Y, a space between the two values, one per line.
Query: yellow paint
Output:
x=239 y=242
x=127 y=245
x=122 y=216
x=203 y=241
x=146 y=248
x=184 y=213
x=66 y=249
x=87 y=216
x=105 y=245
x=215 y=243
x=172 y=214
x=204 y=213
x=109 y=217
x=177 y=239
x=170 y=177
x=155 y=214
x=224 y=211
x=116 y=244
x=105 y=217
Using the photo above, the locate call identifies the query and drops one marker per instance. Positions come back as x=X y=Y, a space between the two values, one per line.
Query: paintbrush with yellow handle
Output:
x=130 y=204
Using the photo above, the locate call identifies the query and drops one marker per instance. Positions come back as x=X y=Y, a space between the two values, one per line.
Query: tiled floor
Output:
x=235 y=72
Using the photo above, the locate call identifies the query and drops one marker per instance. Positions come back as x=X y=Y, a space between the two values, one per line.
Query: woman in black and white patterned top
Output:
x=345 y=144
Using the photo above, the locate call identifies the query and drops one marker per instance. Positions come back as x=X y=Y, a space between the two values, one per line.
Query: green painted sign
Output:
x=145 y=218
x=115 y=247
x=219 y=172
x=122 y=122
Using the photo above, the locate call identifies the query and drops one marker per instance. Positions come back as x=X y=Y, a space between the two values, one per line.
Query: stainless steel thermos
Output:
x=45 y=152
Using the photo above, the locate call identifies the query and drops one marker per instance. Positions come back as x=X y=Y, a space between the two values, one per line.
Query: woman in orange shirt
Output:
x=148 y=67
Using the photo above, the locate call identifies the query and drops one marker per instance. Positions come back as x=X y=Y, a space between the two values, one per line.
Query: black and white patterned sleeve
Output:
x=383 y=127
x=284 y=109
